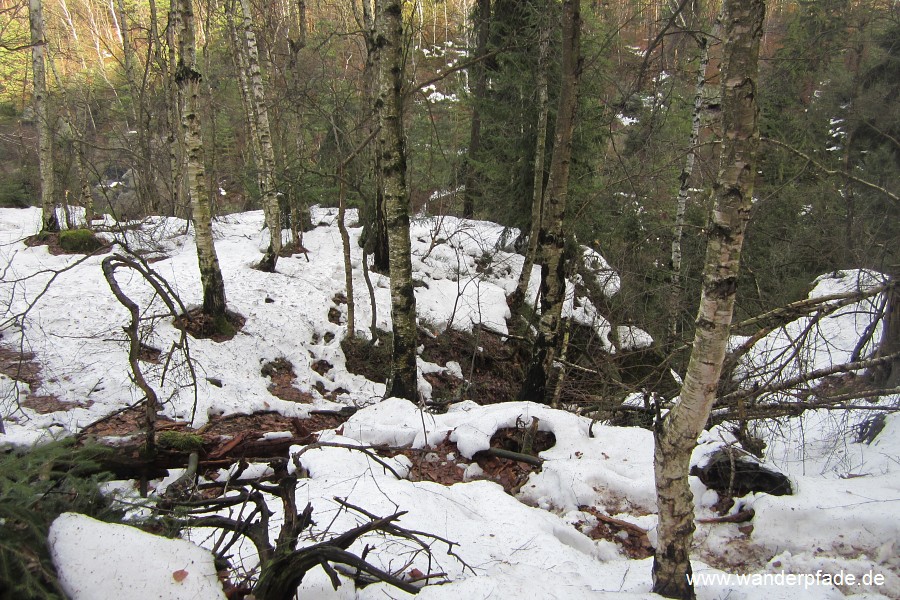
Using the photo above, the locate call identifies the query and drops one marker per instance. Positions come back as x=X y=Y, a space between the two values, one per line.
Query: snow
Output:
x=105 y=561
x=817 y=441
x=843 y=516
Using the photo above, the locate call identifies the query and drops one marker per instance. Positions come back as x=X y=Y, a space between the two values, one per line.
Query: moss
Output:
x=371 y=360
x=178 y=440
x=222 y=326
x=79 y=240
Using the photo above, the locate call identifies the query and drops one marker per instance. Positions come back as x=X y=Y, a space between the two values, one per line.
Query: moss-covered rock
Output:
x=79 y=240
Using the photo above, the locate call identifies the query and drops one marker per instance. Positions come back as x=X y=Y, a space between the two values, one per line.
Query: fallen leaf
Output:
x=179 y=575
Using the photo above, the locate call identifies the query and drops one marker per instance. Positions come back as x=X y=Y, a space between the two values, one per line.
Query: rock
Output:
x=750 y=475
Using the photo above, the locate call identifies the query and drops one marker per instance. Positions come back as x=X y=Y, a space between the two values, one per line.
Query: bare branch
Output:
x=828 y=171
x=791 y=382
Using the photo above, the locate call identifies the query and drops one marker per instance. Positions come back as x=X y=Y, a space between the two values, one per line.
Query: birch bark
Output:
x=187 y=80
x=265 y=160
x=676 y=435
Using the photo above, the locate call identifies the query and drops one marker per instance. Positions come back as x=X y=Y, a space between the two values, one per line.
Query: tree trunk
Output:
x=348 y=265
x=676 y=292
x=376 y=234
x=517 y=300
x=188 y=81
x=392 y=152
x=482 y=28
x=265 y=160
x=551 y=234
x=676 y=435
x=175 y=141
x=49 y=220
x=887 y=375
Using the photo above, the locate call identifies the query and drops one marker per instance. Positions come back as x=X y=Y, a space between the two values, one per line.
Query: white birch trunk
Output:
x=677 y=434
x=537 y=202
x=551 y=234
x=265 y=160
x=188 y=81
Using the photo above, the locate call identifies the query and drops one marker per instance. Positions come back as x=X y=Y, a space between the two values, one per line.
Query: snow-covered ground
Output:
x=841 y=520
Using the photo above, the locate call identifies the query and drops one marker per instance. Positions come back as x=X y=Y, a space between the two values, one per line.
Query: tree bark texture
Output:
x=175 y=140
x=49 y=220
x=265 y=159
x=676 y=435
x=187 y=80
x=551 y=234
x=888 y=374
x=392 y=158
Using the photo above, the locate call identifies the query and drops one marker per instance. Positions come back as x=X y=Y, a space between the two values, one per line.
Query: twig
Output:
x=828 y=171
x=364 y=449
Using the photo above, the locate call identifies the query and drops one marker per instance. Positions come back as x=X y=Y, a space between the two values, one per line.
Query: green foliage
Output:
x=79 y=240
x=35 y=487
x=17 y=190
x=831 y=92
x=505 y=163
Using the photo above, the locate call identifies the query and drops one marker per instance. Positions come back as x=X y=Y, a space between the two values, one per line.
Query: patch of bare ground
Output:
x=632 y=539
x=739 y=555
x=281 y=373
x=492 y=369
x=202 y=326
x=369 y=358
x=21 y=366
x=125 y=422
x=289 y=250
x=445 y=465
x=46 y=404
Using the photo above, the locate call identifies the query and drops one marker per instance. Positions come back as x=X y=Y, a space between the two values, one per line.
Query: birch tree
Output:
x=187 y=79
x=258 y=116
x=391 y=151
x=551 y=233
x=376 y=236
x=684 y=179
x=676 y=434
x=49 y=220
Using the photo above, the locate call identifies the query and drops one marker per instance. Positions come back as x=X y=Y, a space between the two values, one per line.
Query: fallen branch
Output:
x=787 y=384
x=510 y=455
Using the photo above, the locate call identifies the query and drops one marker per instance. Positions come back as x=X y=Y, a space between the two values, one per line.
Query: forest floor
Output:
x=537 y=501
